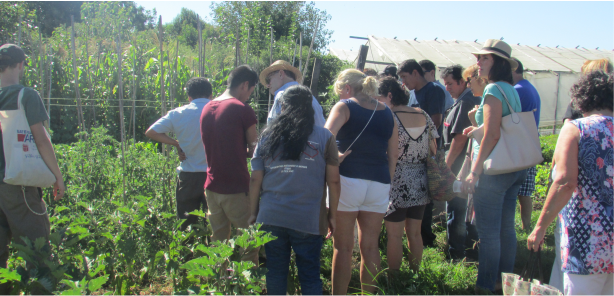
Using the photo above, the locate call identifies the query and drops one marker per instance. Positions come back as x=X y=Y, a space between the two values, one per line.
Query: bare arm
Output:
x=563 y=185
x=393 y=150
x=493 y=110
x=437 y=118
x=333 y=181
x=251 y=137
x=255 y=184
x=338 y=116
x=161 y=137
x=456 y=147
x=43 y=144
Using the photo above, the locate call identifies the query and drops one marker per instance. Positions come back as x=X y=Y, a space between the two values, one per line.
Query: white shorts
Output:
x=592 y=284
x=363 y=195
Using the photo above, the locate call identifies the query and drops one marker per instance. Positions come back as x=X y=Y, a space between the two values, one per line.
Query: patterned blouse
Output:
x=586 y=221
x=409 y=187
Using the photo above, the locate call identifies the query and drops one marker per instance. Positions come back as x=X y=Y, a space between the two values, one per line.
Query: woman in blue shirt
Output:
x=495 y=196
x=293 y=160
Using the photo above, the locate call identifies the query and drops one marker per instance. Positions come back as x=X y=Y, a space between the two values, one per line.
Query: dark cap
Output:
x=11 y=54
x=390 y=70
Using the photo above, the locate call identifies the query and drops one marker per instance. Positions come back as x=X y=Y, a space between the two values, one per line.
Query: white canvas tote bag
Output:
x=518 y=147
x=23 y=163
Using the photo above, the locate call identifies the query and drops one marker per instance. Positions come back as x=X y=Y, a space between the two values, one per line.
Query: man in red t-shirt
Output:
x=228 y=130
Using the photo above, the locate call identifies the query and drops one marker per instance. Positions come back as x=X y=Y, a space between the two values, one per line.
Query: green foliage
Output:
x=548 y=143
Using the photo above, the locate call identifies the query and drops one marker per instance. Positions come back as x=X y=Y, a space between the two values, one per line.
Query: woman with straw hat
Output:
x=495 y=195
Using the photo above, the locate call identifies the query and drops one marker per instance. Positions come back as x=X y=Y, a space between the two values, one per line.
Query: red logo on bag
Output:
x=21 y=137
x=25 y=136
x=25 y=148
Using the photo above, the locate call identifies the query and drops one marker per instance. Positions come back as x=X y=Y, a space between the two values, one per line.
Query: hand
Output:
x=252 y=219
x=181 y=154
x=343 y=155
x=58 y=189
x=535 y=240
x=331 y=227
x=468 y=130
x=472 y=115
x=468 y=186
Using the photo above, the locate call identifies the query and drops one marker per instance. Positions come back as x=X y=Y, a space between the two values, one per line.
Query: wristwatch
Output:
x=475 y=174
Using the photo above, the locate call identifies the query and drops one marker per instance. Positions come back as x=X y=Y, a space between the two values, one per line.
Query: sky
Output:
x=549 y=23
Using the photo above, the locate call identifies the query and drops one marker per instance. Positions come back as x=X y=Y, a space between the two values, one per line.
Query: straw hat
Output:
x=498 y=48
x=279 y=65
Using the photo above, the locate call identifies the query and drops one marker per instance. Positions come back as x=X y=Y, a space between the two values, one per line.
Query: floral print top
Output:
x=586 y=221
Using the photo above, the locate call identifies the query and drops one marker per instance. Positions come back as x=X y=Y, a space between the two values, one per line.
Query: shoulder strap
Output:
x=19 y=98
x=505 y=97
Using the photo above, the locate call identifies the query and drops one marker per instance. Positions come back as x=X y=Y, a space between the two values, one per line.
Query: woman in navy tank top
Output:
x=367 y=139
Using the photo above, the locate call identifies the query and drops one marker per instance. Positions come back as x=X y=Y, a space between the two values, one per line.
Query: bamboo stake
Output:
x=175 y=72
x=41 y=73
x=50 y=81
x=89 y=77
x=294 y=56
x=121 y=110
x=204 y=50
x=19 y=34
x=133 y=112
x=268 y=108
x=200 y=48
x=75 y=75
x=300 y=52
x=237 y=50
x=247 y=49
x=313 y=38
x=162 y=94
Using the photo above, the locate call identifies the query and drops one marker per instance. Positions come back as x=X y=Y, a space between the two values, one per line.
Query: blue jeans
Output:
x=461 y=235
x=495 y=206
x=307 y=248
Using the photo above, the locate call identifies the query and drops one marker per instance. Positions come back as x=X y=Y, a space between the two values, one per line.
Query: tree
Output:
x=287 y=19
x=52 y=14
x=185 y=27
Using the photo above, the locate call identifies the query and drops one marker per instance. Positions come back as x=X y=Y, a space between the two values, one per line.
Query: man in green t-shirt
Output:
x=23 y=212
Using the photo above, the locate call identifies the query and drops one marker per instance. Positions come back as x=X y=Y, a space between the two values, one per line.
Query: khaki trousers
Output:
x=226 y=210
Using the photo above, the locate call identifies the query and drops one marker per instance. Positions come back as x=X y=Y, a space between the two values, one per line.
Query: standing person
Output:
x=19 y=204
x=495 y=195
x=529 y=101
x=604 y=65
x=228 y=130
x=431 y=99
x=184 y=123
x=367 y=136
x=430 y=70
x=277 y=78
x=408 y=193
x=287 y=191
x=582 y=191
x=461 y=235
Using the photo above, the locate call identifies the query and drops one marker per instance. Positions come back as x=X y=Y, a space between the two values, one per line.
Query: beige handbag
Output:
x=518 y=147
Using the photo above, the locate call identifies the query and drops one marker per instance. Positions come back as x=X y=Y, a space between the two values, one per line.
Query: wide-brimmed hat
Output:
x=498 y=48
x=280 y=65
x=11 y=54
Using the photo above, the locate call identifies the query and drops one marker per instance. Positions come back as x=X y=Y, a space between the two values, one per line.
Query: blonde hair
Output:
x=472 y=72
x=358 y=81
x=597 y=65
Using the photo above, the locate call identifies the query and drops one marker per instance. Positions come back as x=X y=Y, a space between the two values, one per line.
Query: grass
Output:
x=438 y=275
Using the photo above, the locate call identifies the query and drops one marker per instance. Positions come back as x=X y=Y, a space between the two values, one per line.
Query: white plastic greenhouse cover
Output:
x=552 y=70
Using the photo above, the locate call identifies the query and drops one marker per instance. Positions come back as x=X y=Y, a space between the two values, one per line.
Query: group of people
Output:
x=314 y=177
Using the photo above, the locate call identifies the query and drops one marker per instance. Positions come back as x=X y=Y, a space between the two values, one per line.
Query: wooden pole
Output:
x=313 y=38
x=162 y=94
x=204 y=55
x=362 y=58
x=315 y=76
x=76 y=76
x=175 y=73
x=89 y=77
x=200 y=48
x=50 y=81
x=41 y=64
x=556 y=101
x=121 y=110
x=133 y=93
